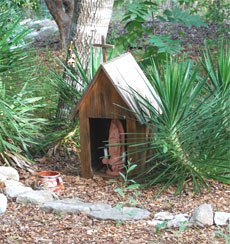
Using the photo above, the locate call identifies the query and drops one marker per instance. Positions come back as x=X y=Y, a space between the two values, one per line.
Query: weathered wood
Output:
x=102 y=98
x=143 y=138
x=129 y=80
x=126 y=76
x=108 y=98
x=131 y=138
x=85 y=153
x=104 y=46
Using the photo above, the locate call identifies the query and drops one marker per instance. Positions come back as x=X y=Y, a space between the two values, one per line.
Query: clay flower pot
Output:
x=50 y=180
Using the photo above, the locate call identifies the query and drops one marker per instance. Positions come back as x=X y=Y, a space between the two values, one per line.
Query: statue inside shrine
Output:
x=115 y=159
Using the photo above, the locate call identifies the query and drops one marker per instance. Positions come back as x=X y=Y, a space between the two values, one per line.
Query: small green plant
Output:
x=128 y=184
x=161 y=226
x=181 y=229
x=119 y=222
x=225 y=235
x=59 y=215
x=12 y=240
x=165 y=44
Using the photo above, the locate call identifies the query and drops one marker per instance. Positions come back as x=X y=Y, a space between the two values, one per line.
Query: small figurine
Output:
x=115 y=159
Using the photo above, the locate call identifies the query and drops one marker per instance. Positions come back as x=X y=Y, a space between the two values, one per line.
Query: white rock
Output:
x=178 y=220
x=202 y=215
x=9 y=172
x=35 y=197
x=14 y=191
x=95 y=210
x=67 y=205
x=163 y=216
x=26 y=22
x=44 y=34
x=155 y=222
x=3 y=204
x=2 y=177
x=12 y=183
x=47 y=33
x=42 y=30
x=221 y=218
x=123 y=214
x=41 y=23
x=32 y=36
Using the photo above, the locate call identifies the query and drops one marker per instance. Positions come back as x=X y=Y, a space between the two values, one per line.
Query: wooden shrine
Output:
x=104 y=100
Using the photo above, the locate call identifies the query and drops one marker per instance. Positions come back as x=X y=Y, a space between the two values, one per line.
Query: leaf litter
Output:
x=27 y=224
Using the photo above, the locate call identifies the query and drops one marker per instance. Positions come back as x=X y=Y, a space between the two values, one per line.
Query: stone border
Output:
x=47 y=200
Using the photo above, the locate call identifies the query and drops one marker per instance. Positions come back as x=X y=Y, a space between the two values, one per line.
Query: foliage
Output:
x=134 y=18
x=225 y=235
x=80 y=76
x=120 y=2
x=71 y=94
x=177 y=16
x=219 y=77
x=12 y=33
x=214 y=11
x=218 y=68
x=138 y=13
x=181 y=229
x=165 y=44
x=19 y=128
x=31 y=4
x=189 y=137
x=128 y=184
x=217 y=11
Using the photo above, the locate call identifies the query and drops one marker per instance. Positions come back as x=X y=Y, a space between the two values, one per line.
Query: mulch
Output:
x=27 y=224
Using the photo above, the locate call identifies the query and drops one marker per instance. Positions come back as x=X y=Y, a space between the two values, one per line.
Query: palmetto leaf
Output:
x=190 y=125
x=218 y=68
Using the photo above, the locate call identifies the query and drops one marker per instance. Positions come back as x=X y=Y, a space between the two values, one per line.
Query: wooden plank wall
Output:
x=99 y=103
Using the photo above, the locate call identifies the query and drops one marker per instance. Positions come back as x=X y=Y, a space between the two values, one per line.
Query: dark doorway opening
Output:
x=99 y=134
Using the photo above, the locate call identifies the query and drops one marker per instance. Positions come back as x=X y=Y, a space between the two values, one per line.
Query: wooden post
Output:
x=104 y=46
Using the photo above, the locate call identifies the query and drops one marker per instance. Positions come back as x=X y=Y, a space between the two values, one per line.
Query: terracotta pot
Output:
x=50 y=180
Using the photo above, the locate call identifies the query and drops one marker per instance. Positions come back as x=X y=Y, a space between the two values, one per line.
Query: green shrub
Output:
x=189 y=137
x=19 y=128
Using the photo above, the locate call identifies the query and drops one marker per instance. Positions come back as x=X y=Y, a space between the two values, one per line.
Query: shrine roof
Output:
x=127 y=78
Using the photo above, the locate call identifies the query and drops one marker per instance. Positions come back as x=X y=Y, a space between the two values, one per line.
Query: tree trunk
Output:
x=90 y=22
x=62 y=12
